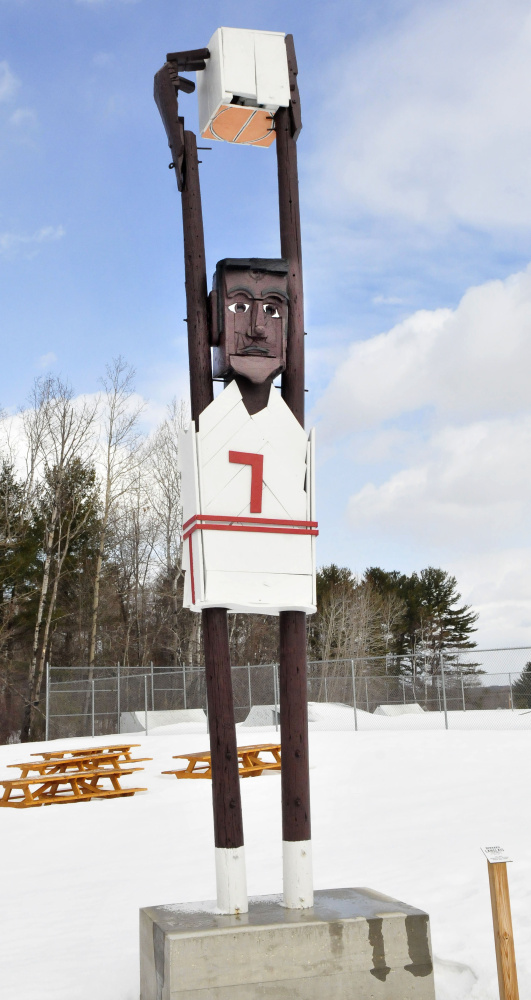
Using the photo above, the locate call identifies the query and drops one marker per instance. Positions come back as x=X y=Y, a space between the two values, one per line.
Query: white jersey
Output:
x=248 y=508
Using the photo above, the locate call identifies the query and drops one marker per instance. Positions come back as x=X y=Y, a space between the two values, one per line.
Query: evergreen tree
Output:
x=522 y=688
x=433 y=621
x=19 y=547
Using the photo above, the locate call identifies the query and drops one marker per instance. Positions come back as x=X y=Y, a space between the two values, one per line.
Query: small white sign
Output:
x=495 y=854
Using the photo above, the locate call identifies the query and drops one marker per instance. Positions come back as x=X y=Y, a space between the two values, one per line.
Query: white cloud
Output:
x=23 y=116
x=8 y=82
x=436 y=416
x=429 y=118
x=103 y=59
x=464 y=504
x=498 y=585
x=387 y=300
x=472 y=484
x=46 y=360
x=13 y=243
x=470 y=362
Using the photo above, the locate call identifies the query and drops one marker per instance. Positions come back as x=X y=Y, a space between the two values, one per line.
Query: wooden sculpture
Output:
x=246 y=459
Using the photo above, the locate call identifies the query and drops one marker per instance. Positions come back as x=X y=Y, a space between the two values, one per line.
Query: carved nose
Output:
x=258 y=331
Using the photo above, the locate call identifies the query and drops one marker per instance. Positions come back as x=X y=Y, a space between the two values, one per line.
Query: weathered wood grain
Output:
x=290 y=248
x=201 y=386
x=503 y=931
x=228 y=824
x=294 y=727
x=293 y=662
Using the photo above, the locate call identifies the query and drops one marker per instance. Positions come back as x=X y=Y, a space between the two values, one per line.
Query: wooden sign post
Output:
x=501 y=918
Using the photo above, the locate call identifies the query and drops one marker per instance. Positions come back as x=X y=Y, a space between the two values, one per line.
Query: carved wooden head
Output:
x=250 y=317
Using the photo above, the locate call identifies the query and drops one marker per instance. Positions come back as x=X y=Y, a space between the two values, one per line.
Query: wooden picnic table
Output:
x=80 y=786
x=250 y=762
x=88 y=762
x=123 y=749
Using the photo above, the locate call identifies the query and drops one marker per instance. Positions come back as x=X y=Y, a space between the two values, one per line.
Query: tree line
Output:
x=91 y=549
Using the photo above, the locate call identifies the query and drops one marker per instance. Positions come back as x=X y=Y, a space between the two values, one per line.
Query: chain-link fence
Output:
x=476 y=689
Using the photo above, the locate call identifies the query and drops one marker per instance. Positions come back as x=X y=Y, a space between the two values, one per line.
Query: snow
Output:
x=409 y=709
x=135 y=722
x=403 y=812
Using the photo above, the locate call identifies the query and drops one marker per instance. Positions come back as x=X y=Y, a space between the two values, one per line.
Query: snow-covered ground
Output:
x=399 y=811
x=332 y=717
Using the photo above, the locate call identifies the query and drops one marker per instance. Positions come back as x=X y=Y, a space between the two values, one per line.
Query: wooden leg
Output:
x=228 y=823
x=295 y=772
x=78 y=792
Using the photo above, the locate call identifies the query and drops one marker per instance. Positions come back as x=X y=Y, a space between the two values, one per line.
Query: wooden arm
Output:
x=166 y=101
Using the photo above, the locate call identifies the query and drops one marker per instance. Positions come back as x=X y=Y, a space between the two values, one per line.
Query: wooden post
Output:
x=226 y=800
x=503 y=931
x=293 y=680
x=228 y=823
x=290 y=248
x=201 y=386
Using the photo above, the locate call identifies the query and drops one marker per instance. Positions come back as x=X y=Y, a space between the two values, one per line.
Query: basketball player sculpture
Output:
x=246 y=460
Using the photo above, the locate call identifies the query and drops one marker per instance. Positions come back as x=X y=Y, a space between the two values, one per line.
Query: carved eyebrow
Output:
x=235 y=291
x=275 y=291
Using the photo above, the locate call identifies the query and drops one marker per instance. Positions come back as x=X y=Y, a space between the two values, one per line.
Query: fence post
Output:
x=152 y=690
x=444 y=691
x=275 y=694
x=145 y=704
x=93 y=710
x=511 y=692
x=118 y=707
x=184 y=687
x=47 y=701
x=463 y=693
x=354 y=695
x=367 y=695
x=403 y=690
x=249 y=685
x=326 y=690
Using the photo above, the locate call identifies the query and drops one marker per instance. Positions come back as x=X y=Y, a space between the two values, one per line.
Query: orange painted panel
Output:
x=260 y=129
x=234 y=123
x=208 y=133
x=229 y=121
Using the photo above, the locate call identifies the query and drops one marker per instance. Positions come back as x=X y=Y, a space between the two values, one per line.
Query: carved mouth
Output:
x=255 y=350
x=256 y=368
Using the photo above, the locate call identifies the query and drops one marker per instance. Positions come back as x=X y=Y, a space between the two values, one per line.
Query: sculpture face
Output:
x=250 y=318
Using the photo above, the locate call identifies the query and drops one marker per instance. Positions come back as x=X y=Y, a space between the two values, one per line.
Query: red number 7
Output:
x=257 y=475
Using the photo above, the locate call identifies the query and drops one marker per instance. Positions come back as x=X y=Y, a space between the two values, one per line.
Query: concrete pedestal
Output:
x=353 y=944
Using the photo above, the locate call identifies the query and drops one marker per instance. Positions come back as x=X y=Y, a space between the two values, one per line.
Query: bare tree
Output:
x=354 y=622
x=135 y=535
x=119 y=462
x=163 y=468
x=65 y=436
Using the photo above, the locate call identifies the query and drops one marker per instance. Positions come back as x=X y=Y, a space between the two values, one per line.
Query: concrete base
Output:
x=353 y=944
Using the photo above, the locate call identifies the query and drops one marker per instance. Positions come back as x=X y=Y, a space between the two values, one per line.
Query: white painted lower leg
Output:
x=231 y=880
x=298 y=874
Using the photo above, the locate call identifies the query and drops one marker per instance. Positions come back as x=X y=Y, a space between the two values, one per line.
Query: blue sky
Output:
x=414 y=164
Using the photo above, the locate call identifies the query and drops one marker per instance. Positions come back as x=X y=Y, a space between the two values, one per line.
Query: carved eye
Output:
x=271 y=311
x=239 y=307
